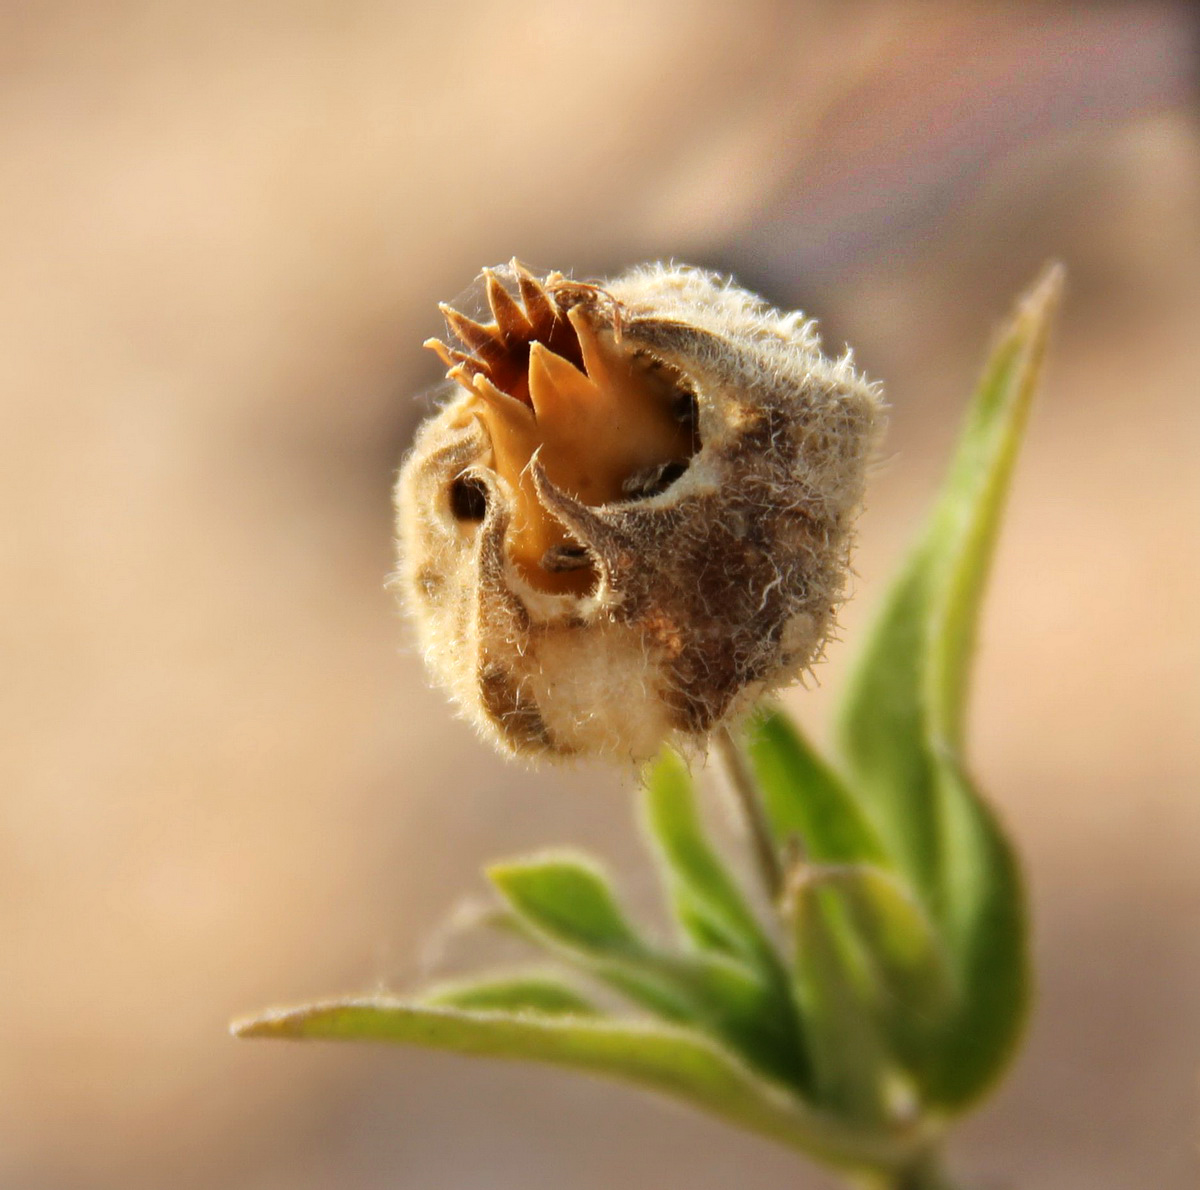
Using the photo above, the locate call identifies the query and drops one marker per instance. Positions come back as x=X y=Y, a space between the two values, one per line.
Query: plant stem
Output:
x=749 y=797
x=927 y=1173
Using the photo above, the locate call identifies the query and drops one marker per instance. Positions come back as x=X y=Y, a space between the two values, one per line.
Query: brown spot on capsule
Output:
x=514 y=711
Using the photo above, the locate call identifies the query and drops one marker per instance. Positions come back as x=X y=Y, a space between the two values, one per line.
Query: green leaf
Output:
x=714 y=914
x=566 y=896
x=708 y=902
x=521 y=992
x=804 y=798
x=564 y=901
x=677 y=1062
x=883 y=735
x=904 y=976
x=987 y=931
x=901 y=725
x=908 y=961
x=849 y=1054
x=971 y=507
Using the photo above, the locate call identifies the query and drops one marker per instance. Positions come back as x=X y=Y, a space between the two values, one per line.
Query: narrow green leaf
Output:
x=904 y=705
x=972 y=506
x=987 y=931
x=851 y=1064
x=907 y=956
x=902 y=719
x=666 y=1059
x=905 y=977
x=520 y=992
x=698 y=925
x=707 y=900
x=714 y=914
x=804 y=798
x=883 y=739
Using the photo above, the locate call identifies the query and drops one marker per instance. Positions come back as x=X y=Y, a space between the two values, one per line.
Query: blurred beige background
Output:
x=223 y=231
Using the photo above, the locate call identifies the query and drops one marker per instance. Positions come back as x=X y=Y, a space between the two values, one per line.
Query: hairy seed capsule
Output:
x=635 y=517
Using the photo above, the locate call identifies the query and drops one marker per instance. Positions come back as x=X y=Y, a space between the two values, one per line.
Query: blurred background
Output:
x=223 y=231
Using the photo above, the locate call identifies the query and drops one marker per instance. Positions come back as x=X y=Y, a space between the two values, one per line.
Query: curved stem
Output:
x=749 y=797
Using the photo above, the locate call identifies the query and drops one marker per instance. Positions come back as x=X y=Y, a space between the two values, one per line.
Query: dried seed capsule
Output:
x=635 y=518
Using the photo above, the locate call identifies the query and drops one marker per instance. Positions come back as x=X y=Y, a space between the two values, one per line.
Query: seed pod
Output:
x=635 y=517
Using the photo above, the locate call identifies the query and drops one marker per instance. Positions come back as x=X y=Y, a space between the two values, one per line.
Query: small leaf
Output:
x=567 y=897
x=529 y=992
x=901 y=725
x=677 y=1062
x=804 y=798
x=565 y=902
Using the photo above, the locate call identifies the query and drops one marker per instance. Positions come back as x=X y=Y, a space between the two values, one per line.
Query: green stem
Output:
x=749 y=797
x=926 y=1173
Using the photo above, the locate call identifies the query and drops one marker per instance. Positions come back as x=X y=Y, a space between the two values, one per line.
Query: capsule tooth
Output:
x=462 y=374
x=452 y=358
x=540 y=309
x=479 y=338
x=498 y=400
x=555 y=384
x=511 y=321
x=441 y=351
x=590 y=346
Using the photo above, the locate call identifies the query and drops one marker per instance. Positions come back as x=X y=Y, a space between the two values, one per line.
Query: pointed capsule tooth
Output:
x=561 y=371
x=441 y=351
x=501 y=402
x=461 y=374
x=510 y=318
x=543 y=392
x=590 y=346
x=470 y=364
x=453 y=359
x=478 y=338
x=540 y=308
x=524 y=277
x=555 y=384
